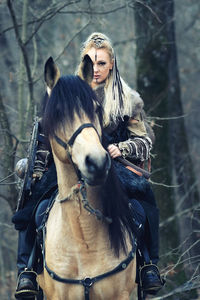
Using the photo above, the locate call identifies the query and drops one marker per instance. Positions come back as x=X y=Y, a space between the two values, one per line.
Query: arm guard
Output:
x=136 y=148
x=43 y=155
x=42 y=159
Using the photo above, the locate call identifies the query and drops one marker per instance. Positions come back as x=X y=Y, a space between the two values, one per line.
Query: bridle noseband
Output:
x=69 y=144
x=74 y=136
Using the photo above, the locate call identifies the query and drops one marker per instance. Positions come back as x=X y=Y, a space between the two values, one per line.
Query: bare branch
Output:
x=24 y=52
x=69 y=42
x=52 y=11
x=10 y=175
x=178 y=215
x=182 y=288
x=47 y=15
x=94 y=12
x=6 y=225
x=163 y=184
x=167 y=118
x=148 y=7
x=4 y=197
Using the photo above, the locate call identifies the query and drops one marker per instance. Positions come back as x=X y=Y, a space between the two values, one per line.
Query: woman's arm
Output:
x=43 y=154
x=139 y=144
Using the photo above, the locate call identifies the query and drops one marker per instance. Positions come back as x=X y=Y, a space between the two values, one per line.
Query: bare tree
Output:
x=31 y=31
x=158 y=81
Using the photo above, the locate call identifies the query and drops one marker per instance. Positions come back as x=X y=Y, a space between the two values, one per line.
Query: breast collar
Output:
x=88 y=282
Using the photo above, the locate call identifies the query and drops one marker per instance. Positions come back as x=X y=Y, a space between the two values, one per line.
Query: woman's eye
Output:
x=102 y=63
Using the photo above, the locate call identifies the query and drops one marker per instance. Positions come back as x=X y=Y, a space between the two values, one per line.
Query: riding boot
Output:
x=150 y=280
x=149 y=275
x=26 y=286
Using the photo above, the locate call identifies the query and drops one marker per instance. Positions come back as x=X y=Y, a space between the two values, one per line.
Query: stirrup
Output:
x=155 y=286
x=27 y=293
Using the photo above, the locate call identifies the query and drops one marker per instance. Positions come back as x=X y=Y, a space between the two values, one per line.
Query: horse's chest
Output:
x=109 y=288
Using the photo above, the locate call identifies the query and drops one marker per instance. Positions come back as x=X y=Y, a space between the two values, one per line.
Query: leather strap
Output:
x=88 y=282
x=134 y=168
x=74 y=136
x=76 y=133
x=71 y=142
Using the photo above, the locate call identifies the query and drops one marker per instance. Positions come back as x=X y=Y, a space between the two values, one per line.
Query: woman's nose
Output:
x=95 y=67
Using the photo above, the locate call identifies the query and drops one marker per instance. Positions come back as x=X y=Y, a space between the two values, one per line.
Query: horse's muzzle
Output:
x=97 y=169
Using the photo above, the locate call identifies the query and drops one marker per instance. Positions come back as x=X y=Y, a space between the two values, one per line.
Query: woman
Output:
x=128 y=136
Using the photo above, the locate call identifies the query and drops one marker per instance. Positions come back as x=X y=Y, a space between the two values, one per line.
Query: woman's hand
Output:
x=114 y=151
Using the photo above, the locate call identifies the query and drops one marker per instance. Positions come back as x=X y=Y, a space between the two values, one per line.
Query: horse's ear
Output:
x=87 y=69
x=51 y=74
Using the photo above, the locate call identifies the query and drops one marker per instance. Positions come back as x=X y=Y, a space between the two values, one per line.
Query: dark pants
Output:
x=24 y=250
x=24 y=218
x=137 y=187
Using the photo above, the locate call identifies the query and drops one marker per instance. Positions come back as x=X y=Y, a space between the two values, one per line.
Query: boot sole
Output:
x=26 y=294
x=153 y=290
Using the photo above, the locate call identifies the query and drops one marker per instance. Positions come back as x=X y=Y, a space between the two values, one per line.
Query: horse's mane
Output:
x=69 y=96
x=73 y=95
x=116 y=206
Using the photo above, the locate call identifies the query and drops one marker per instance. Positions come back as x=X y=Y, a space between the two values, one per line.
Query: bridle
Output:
x=69 y=144
x=74 y=136
x=80 y=186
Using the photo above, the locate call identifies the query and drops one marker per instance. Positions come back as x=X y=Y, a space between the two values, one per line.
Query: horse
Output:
x=89 y=245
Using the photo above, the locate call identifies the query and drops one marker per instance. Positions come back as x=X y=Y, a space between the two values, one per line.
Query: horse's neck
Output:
x=73 y=215
x=67 y=178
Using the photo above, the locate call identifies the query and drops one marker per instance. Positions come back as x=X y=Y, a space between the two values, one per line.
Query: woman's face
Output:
x=102 y=64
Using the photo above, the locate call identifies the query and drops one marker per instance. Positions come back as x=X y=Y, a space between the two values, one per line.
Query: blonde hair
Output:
x=118 y=100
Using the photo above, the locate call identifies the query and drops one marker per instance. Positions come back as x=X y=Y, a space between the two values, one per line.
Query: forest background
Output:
x=158 y=48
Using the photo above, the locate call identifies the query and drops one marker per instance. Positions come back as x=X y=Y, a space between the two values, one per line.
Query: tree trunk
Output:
x=8 y=155
x=158 y=83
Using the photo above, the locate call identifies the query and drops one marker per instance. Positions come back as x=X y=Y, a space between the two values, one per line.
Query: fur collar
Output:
x=137 y=102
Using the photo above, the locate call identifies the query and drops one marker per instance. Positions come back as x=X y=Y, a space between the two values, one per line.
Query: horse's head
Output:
x=73 y=122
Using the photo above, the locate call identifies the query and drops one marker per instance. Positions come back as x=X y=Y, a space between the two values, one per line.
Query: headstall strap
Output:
x=60 y=142
x=71 y=142
x=76 y=133
x=74 y=136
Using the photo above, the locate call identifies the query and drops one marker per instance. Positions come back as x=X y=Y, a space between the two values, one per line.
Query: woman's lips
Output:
x=96 y=76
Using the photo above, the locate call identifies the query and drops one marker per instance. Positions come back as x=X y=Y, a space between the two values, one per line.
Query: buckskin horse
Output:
x=89 y=245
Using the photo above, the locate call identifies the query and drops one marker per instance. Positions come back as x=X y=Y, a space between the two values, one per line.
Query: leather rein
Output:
x=86 y=282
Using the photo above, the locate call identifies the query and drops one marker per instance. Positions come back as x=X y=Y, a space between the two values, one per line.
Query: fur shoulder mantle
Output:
x=133 y=103
x=137 y=103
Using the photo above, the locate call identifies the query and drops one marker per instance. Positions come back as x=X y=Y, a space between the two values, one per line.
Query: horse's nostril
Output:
x=90 y=163
x=98 y=165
